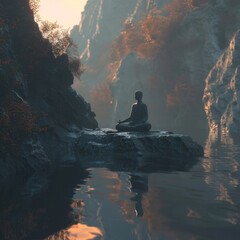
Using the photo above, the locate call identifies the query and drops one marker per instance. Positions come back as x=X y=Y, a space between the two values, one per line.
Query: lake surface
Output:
x=130 y=198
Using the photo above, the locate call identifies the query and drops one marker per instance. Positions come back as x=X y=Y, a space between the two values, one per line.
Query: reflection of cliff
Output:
x=226 y=183
x=41 y=210
x=229 y=150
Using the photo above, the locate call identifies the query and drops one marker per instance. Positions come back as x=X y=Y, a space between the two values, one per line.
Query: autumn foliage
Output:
x=150 y=34
x=17 y=122
x=57 y=36
x=156 y=37
x=182 y=94
x=52 y=31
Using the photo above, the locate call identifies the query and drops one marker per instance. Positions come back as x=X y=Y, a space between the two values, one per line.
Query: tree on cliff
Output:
x=58 y=37
x=56 y=34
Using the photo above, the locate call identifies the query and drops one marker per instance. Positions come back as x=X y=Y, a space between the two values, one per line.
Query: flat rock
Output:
x=106 y=141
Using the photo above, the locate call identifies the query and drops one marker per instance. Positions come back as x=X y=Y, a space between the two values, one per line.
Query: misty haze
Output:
x=119 y=119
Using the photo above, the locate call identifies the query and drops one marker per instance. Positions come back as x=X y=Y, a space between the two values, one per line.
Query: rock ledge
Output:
x=105 y=141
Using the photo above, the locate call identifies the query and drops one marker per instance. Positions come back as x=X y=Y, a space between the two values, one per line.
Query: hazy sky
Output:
x=66 y=12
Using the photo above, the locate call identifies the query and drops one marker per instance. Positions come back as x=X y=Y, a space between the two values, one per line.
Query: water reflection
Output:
x=32 y=217
x=77 y=232
x=134 y=197
x=221 y=167
x=222 y=155
x=139 y=186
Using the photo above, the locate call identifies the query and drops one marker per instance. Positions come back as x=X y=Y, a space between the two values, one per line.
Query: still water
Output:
x=131 y=198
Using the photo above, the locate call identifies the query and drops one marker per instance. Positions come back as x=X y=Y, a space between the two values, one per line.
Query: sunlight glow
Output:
x=83 y=232
x=67 y=13
x=77 y=232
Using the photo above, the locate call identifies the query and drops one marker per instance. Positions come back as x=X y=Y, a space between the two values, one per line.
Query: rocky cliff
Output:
x=222 y=92
x=168 y=56
x=221 y=95
x=38 y=108
x=102 y=22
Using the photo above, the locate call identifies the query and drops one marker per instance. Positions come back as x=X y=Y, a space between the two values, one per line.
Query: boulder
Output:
x=154 y=142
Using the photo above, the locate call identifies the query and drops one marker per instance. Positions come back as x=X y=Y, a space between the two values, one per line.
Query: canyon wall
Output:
x=102 y=22
x=222 y=92
x=38 y=107
x=164 y=48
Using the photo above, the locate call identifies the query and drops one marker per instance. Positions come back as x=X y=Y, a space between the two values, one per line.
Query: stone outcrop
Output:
x=29 y=68
x=222 y=93
x=161 y=143
x=37 y=103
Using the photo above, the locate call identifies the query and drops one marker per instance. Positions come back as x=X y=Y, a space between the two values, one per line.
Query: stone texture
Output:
x=161 y=143
x=222 y=93
x=36 y=98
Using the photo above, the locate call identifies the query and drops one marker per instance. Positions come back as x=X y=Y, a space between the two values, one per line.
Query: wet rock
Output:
x=35 y=155
x=160 y=142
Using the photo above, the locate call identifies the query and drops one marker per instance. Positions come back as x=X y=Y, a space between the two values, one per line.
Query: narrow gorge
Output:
x=67 y=172
x=167 y=49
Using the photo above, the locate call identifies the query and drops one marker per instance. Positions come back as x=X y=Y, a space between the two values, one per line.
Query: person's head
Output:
x=138 y=95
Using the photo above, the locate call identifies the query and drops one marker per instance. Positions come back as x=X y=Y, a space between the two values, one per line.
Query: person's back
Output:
x=139 y=113
x=138 y=117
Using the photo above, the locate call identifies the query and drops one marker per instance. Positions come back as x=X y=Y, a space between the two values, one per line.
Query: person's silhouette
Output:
x=137 y=121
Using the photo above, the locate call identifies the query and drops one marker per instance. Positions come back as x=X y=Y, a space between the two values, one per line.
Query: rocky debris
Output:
x=160 y=142
x=222 y=93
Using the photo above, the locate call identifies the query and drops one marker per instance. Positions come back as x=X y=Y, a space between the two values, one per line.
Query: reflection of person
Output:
x=138 y=117
x=139 y=186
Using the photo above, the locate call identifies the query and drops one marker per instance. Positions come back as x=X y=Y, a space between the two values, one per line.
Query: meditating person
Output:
x=138 y=117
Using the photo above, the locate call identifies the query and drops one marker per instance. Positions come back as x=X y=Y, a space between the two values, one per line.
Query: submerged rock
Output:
x=160 y=142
